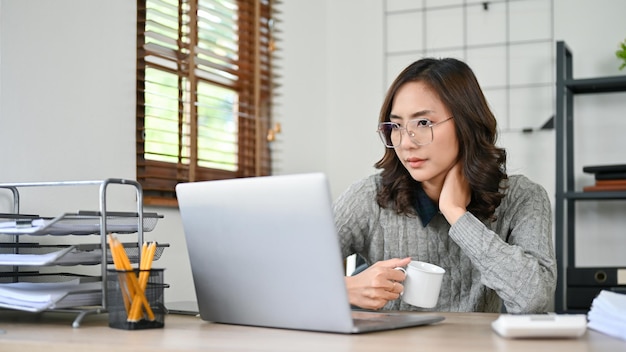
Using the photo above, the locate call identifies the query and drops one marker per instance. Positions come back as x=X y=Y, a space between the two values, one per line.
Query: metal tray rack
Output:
x=100 y=222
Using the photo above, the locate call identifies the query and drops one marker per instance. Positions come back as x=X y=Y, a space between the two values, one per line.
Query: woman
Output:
x=444 y=197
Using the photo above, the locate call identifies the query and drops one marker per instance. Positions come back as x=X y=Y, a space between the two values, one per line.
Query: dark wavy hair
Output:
x=484 y=164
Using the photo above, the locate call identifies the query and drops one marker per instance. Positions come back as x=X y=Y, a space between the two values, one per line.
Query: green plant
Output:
x=621 y=54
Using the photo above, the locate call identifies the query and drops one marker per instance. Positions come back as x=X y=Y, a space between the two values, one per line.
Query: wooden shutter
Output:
x=204 y=91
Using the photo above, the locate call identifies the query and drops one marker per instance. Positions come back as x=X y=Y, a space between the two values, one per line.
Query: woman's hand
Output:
x=455 y=194
x=378 y=284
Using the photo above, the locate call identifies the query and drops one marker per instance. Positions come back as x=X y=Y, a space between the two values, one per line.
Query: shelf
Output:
x=597 y=85
x=570 y=295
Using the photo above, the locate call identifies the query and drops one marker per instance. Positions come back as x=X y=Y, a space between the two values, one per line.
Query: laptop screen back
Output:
x=264 y=252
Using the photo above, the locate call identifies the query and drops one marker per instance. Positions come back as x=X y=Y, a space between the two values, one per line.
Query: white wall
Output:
x=66 y=115
x=332 y=64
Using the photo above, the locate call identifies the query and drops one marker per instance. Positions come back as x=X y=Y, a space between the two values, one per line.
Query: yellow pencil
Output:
x=124 y=287
x=144 y=274
x=136 y=293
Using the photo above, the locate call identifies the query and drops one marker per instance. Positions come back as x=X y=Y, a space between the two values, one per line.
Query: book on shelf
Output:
x=604 y=188
x=610 y=176
x=607 y=172
x=605 y=169
x=607 y=177
x=615 y=182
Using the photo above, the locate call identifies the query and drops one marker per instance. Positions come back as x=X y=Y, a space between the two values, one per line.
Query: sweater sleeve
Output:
x=353 y=211
x=519 y=264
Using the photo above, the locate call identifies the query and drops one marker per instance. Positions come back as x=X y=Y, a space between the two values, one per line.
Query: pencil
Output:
x=145 y=265
x=137 y=295
x=124 y=285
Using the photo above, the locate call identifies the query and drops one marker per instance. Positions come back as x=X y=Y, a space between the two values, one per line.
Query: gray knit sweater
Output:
x=508 y=261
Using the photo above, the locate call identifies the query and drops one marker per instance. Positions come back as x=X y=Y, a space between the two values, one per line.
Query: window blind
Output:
x=204 y=92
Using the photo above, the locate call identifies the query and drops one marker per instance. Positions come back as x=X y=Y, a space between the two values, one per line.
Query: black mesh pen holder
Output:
x=132 y=307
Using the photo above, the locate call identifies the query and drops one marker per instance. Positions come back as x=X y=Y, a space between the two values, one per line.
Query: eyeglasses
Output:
x=420 y=131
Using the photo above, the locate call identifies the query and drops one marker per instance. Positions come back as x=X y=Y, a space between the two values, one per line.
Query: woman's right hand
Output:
x=378 y=284
x=455 y=195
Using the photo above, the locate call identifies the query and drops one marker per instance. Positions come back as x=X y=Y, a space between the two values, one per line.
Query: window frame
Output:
x=254 y=83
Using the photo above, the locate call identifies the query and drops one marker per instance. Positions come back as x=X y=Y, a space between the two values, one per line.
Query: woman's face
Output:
x=431 y=162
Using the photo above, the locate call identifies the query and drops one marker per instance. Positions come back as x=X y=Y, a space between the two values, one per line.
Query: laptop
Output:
x=264 y=252
x=182 y=307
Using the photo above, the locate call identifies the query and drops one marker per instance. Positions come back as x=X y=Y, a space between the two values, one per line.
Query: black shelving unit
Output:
x=576 y=287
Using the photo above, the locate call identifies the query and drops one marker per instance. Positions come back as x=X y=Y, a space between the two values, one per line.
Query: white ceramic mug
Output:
x=422 y=284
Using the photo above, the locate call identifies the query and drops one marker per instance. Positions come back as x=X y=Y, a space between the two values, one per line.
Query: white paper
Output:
x=36 y=297
x=33 y=259
x=70 y=224
x=608 y=314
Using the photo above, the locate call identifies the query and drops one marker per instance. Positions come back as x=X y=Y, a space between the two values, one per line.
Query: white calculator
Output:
x=540 y=325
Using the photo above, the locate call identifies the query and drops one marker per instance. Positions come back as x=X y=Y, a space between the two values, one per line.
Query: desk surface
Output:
x=52 y=332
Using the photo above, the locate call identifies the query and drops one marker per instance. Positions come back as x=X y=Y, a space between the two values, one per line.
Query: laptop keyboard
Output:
x=369 y=321
x=375 y=318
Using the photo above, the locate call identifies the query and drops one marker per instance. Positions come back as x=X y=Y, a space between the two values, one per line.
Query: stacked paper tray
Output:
x=82 y=223
x=83 y=254
x=36 y=293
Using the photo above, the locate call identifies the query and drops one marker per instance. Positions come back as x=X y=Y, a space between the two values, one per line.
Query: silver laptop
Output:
x=264 y=252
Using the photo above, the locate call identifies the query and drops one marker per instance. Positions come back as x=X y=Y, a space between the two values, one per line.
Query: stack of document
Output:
x=36 y=297
x=81 y=223
x=65 y=256
x=34 y=259
x=608 y=314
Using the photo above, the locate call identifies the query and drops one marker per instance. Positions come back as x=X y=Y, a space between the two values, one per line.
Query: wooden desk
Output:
x=52 y=332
